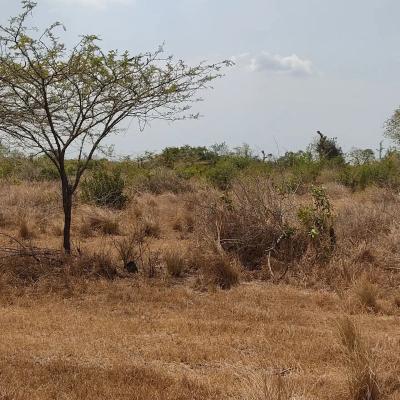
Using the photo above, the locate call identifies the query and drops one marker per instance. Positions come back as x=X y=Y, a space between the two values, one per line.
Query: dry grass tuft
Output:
x=100 y=221
x=361 y=377
x=25 y=230
x=266 y=386
x=175 y=262
x=151 y=226
x=348 y=334
x=367 y=295
x=126 y=249
x=131 y=247
x=183 y=222
x=98 y=264
x=3 y=220
x=57 y=229
x=217 y=268
x=358 y=222
x=31 y=267
x=177 y=224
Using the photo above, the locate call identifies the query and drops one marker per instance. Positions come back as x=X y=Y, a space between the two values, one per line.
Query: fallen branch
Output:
x=38 y=254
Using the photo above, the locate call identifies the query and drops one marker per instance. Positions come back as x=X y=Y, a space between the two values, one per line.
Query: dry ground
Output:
x=132 y=340
x=168 y=338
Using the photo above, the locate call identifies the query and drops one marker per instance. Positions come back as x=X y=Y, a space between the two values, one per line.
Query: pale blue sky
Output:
x=302 y=65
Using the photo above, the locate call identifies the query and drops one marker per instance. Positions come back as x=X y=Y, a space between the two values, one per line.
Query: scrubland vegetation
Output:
x=195 y=273
x=202 y=274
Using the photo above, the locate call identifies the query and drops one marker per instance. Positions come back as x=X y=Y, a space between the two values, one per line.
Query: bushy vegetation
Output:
x=173 y=169
x=262 y=213
x=186 y=228
x=104 y=188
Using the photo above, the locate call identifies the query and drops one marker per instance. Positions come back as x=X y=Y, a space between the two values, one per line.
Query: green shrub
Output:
x=104 y=189
x=191 y=171
x=225 y=170
x=378 y=173
x=161 y=180
x=318 y=223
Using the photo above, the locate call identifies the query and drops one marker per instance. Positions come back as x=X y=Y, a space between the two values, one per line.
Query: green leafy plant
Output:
x=317 y=219
x=104 y=189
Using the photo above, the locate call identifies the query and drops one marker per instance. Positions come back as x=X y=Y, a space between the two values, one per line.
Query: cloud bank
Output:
x=275 y=63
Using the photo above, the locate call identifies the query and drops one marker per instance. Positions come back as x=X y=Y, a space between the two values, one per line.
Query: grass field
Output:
x=328 y=332
x=132 y=340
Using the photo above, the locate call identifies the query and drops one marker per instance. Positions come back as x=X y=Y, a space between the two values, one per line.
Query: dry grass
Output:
x=367 y=295
x=126 y=248
x=144 y=340
x=216 y=267
x=267 y=386
x=151 y=226
x=99 y=221
x=76 y=329
x=25 y=231
x=361 y=375
x=251 y=219
x=175 y=262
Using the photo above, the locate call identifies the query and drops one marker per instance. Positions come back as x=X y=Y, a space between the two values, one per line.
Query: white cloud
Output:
x=275 y=63
x=94 y=3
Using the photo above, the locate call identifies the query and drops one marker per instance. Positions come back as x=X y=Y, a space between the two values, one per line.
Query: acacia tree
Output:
x=64 y=103
x=392 y=127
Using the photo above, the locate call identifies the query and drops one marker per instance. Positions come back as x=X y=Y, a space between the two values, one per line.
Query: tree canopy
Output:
x=392 y=127
x=64 y=103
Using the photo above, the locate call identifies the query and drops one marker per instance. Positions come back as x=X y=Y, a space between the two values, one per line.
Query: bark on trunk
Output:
x=67 y=207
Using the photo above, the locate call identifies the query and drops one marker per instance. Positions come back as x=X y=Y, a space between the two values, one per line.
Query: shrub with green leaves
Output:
x=104 y=188
x=380 y=173
x=225 y=170
x=161 y=180
x=318 y=221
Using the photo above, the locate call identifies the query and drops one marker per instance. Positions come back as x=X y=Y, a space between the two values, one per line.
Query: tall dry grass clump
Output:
x=175 y=261
x=100 y=221
x=367 y=295
x=151 y=225
x=25 y=230
x=126 y=248
x=362 y=381
x=216 y=267
x=135 y=252
x=98 y=264
x=266 y=386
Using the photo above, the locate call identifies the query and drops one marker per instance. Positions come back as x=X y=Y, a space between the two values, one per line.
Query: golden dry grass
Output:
x=125 y=340
x=83 y=337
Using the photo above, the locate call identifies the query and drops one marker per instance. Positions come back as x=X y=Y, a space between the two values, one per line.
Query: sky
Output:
x=300 y=65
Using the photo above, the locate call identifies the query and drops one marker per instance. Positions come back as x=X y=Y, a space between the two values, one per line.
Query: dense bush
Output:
x=171 y=156
x=160 y=180
x=379 y=173
x=104 y=188
x=171 y=170
x=328 y=148
x=225 y=170
x=255 y=219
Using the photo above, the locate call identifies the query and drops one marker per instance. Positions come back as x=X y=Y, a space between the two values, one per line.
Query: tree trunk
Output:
x=67 y=207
